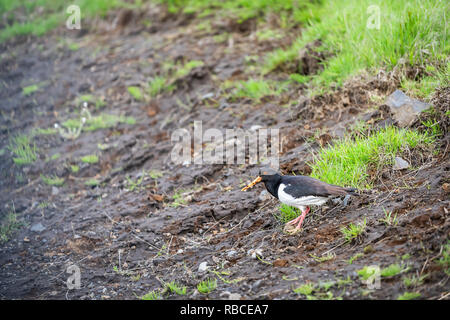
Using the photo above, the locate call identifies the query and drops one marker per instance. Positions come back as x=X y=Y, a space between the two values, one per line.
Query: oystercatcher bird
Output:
x=299 y=191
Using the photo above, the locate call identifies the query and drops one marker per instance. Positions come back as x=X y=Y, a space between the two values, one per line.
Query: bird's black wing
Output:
x=303 y=186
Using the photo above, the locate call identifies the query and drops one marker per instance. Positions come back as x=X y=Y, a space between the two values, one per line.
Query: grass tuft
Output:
x=24 y=151
x=348 y=160
x=409 y=296
x=353 y=231
x=91 y=158
x=52 y=180
x=207 y=286
x=9 y=224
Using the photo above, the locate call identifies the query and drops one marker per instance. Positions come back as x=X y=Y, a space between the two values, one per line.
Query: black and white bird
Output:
x=299 y=191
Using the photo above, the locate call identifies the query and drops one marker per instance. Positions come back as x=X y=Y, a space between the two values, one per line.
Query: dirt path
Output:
x=130 y=239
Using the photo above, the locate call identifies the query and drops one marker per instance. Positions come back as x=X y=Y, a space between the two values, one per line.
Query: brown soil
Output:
x=128 y=243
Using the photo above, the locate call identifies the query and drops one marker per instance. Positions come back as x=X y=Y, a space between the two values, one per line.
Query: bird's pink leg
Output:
x=299 y=218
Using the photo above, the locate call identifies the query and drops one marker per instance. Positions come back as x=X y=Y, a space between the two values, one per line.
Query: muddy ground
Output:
x=128 y=241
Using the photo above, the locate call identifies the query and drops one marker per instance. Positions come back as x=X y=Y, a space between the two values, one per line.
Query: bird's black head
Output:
x=271 y=179
x=268 y=174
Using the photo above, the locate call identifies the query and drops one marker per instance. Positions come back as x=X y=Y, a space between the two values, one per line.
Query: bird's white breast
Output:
x=301 y=202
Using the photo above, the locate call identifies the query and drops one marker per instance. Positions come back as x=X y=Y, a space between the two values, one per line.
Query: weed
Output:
x=89 y=98
x=353 y=231
x=393 y=270
x=21 y=147
x=9 y=224
x=135 y=185
x=175 y=288
x=135 y=93
x=158 y=85
x=343 y=282
x=406 y=256
x=48 y=131
x=328 y=257
x=26 y=91
x=388 y=219
x=92 y=182
x=366 y=272
x=305 y=289
x=353 y=258
x=52 y=180
x=327 y=285
x=257 y=89
x=155 y=174
x=207 y=286
x=414 y=281
x=268 y=34
x=186 y=68
x=178 y=199
x=102 y=121
x=444 y=261
x=152 y=295
x=91 y=158
x=74 y=168
x=219 y=275
x=409 y=296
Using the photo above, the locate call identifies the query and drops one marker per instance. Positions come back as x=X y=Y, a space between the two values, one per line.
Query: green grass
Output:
x=157 y=85
x=182 y=71
x=52 y=180
x=444 y=260
x=178 y=199
x=44 y=132
x=92 y=182
x=26 y=91
x=409 y=296
x=366 y=272
x=40 y=16
x=134 y=185
x=152 y=295
x=176 y=288
x=393 y=270
x=414 y=281
x=9 y=224
x=348 y=160
x=155 y=174
x=353 y=231
x=353 y=258
x=207 y=286
x=23 y=149
x=257 y=89
x=74 y=168
x=305 y=289
x=407 y=28
x=102 y=121
x=314 y=291
x=91 y=158
x=286 y=213
x=96 y=101
x=328 y=257
x=389 y=219
x=136 y=93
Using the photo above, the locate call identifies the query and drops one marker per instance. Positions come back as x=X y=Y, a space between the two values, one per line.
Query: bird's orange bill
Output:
x=257 y=180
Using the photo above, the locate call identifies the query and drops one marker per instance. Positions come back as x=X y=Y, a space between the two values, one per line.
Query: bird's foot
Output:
x=298 y=220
